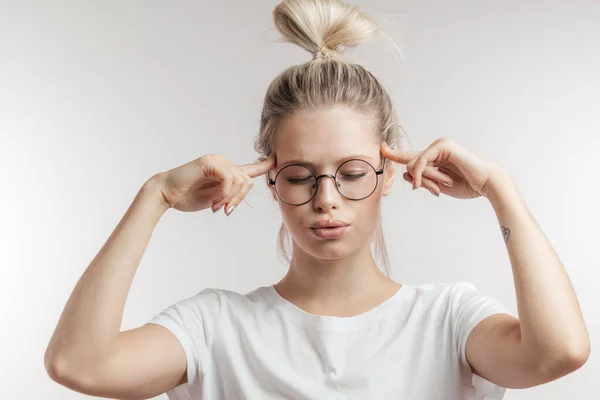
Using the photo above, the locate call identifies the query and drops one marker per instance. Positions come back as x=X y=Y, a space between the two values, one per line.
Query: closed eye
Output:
x=353 y=176
x=298 y=180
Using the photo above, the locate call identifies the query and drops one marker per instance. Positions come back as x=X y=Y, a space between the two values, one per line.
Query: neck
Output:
x=335 y=284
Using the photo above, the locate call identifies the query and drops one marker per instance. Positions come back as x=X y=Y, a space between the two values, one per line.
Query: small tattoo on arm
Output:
x=505 y=233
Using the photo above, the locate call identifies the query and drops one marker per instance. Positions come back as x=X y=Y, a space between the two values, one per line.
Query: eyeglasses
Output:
x=355 y=179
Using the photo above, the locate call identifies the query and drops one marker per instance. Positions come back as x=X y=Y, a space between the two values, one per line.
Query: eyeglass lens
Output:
x=296 y=184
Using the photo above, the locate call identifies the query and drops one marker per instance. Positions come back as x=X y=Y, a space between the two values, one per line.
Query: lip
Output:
x=331 y=233
x=329 y=223
x=330 y=229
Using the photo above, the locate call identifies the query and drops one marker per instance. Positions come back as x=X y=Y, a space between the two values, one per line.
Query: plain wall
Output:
x=97 y=96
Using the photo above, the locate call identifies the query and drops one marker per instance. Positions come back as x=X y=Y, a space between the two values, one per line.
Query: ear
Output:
x=389 y=175
x=272 y=173
x=271 y=187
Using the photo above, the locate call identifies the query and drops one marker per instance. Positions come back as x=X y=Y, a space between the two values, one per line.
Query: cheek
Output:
x=367 y=213
x=293 y=217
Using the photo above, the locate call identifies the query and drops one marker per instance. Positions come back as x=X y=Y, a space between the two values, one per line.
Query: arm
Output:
x=87 y=351
x=550 y=339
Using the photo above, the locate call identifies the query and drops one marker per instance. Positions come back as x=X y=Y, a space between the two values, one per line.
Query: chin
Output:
x=328 y=249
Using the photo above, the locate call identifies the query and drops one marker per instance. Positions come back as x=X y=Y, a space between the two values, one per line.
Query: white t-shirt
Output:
x=260 y=346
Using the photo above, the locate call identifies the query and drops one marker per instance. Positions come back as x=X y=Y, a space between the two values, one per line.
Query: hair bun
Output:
x=325 y=26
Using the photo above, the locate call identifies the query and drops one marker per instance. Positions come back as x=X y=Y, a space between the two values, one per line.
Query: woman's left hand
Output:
x=443 y=159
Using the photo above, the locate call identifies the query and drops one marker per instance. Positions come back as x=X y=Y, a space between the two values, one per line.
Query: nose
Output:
x=327 y=196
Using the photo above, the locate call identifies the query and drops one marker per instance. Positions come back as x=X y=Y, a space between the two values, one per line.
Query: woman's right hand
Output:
x=210 y=181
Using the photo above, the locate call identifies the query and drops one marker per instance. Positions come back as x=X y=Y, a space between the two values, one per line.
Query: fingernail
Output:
x=434 y=193
x=449 y=184
x=214 y=211
x=229 y=210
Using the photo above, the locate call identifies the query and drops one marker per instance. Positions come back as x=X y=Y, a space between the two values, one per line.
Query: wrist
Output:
x=499 y=184
x=153 y=188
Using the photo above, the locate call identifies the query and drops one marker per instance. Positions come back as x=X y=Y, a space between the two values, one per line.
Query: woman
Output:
x=335 y=326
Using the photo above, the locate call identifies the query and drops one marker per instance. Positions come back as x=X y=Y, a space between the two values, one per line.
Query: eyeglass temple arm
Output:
x=382 y=167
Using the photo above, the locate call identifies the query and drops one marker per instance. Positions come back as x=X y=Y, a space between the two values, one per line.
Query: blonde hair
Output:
x=325 y=28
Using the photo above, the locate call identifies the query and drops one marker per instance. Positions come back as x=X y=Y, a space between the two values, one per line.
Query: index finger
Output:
x=262 y=167
x=399 y=156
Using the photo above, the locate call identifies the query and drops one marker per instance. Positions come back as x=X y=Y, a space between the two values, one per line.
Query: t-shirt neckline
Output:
x=295 y=312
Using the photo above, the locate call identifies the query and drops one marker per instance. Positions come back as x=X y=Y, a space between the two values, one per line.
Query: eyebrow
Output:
x=341 y=160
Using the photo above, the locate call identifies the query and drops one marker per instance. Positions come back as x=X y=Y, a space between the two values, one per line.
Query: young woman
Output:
x=336 y=326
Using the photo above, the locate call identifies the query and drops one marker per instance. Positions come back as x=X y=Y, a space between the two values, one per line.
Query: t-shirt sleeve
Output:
x=470 y=307
x=193 y=321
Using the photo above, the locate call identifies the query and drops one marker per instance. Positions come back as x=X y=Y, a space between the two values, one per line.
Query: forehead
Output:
x=326 y=136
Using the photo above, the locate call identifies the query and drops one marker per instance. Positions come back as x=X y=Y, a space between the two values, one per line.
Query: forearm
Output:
x=90 y=323
x=552 y=325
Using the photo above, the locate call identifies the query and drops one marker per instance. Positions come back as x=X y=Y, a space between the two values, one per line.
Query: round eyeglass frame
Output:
x=377 y=173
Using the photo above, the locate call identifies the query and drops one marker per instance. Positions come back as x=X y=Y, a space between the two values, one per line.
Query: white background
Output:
x=97 y=96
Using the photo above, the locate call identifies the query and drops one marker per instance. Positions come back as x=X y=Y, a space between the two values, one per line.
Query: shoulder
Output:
x=228 y=300
x=444 y=286
x=209 y=306
x=446 y=290
x=453 y=298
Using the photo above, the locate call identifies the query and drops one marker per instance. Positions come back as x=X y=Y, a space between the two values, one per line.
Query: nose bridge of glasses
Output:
x=333 y=180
